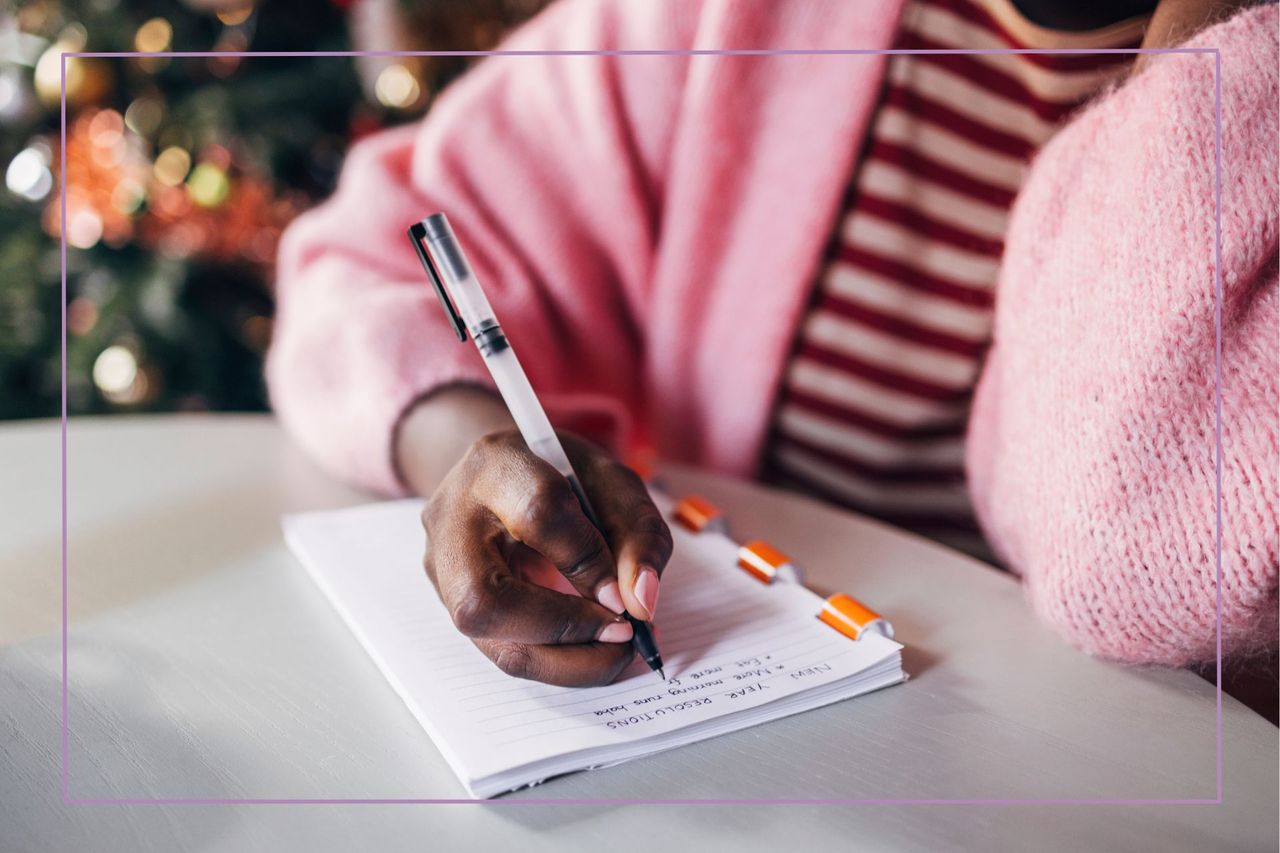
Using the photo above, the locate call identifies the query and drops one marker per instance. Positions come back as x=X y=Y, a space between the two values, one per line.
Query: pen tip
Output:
x=663 y=674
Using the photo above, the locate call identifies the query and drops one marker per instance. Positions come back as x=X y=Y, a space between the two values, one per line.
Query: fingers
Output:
x=536 y=505
x=486 y=600
x=634 y=528
x=584 y=665
x=501 y=510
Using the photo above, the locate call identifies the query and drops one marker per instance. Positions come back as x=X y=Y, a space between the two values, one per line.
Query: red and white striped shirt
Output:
x=873 y=404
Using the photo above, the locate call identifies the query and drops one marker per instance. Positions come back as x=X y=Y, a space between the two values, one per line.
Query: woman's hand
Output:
x=501 y=517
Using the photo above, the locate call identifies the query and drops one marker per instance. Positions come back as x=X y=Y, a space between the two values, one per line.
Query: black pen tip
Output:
x=663 y=674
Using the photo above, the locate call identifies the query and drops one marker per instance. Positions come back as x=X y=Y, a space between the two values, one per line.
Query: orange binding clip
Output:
x=699 y=514
x=852 y=618
x=764 y=562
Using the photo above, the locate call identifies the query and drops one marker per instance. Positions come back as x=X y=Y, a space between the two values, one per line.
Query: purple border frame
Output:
x=1217 y=320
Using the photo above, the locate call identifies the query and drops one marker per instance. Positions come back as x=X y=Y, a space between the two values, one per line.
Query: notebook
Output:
x=738 y=652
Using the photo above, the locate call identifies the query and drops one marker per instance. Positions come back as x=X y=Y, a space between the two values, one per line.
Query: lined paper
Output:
x=736 y=652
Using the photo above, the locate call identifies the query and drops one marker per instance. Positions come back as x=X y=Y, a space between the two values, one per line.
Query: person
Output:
x=964 y=293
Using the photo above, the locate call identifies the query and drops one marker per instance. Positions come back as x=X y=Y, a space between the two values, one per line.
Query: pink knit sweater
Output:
x=649 y=229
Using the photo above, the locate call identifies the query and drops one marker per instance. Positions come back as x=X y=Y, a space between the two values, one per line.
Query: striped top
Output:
x=872 y=409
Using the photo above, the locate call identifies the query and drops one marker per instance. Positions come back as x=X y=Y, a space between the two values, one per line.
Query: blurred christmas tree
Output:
x=181 y=174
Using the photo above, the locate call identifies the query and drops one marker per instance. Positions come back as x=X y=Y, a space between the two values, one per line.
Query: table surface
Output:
x=204 y=664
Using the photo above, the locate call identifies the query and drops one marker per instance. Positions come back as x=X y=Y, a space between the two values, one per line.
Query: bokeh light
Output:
x=153 y=36
x=208 y=185
x=396 y=87
x=84 y=228
x=128 y=196
x=82 y=315
x=171 y=166
x=106 y=133
x=16 y=100
x=143 y=116
x=115 y=370
x=236 y=16
x=28 y=174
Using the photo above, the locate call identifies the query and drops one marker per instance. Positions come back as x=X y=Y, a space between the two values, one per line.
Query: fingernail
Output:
x=616 y=632
x=610 y=596
x=647 y=589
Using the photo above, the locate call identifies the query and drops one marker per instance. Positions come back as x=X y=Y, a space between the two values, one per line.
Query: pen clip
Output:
x=416 y=235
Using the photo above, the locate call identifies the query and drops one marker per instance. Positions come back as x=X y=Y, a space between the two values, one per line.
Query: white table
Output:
x=205 y=665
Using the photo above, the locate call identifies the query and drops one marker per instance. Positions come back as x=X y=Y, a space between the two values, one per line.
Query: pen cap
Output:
x=455 y=273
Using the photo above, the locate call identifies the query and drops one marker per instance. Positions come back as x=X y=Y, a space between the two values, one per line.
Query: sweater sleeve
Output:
x=548 y=169
x=1091 y=448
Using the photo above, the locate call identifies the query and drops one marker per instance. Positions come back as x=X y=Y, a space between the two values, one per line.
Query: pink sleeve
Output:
x=1091 y=446
x=548 y=170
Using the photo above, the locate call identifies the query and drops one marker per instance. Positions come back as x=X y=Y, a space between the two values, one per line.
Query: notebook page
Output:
x=729 y=644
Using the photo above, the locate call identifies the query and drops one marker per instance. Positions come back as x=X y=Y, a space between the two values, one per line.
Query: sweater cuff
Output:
x=341 y=385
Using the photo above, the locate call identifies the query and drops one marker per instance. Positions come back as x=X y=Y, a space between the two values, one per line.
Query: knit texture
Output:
x=1091 y=447
x=648 y=229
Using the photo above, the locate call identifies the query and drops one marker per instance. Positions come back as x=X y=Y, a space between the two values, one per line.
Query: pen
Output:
x=469 y=311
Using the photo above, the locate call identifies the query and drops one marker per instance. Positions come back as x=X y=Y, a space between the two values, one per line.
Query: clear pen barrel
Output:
x=455 y=271
x=527 y=411
x=477 y=315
